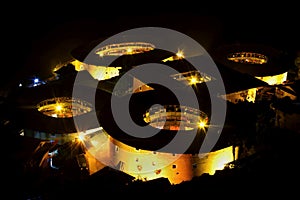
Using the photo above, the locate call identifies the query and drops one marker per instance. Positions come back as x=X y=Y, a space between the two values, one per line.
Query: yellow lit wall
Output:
x=94 y=164
x=103 y=150
x=245 y=95
x=274 y=80
x=216 y=160
x=97 y=72
x=149 y=165
x=140 y=86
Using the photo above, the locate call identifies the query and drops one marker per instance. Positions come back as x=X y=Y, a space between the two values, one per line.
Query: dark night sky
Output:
x=43 y=38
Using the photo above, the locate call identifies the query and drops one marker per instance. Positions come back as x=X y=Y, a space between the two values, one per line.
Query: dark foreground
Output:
x=271 y=171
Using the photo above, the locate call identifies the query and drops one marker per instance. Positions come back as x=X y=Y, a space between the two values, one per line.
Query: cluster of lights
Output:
x=193 y=77
x=178 y=56
x=127 y=48
x=247 y=58
x=32 y=82
x=64 y=107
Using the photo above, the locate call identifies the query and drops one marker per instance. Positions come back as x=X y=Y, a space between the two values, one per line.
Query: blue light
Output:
x=36 y=80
